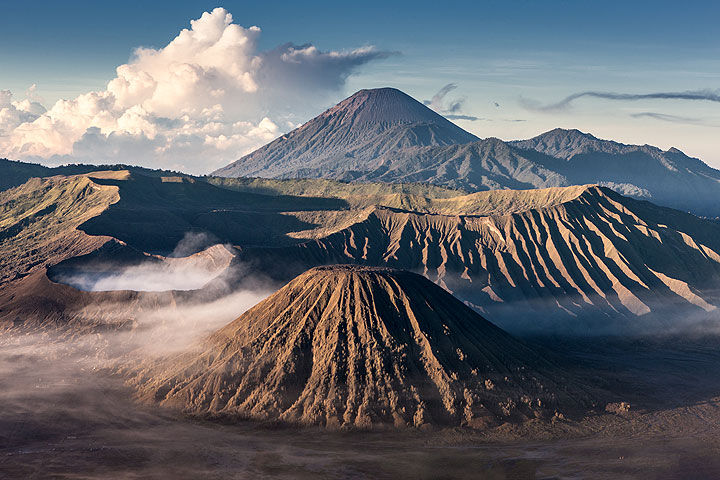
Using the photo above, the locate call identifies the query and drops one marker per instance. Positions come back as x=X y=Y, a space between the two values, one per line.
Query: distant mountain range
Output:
x=386 y=135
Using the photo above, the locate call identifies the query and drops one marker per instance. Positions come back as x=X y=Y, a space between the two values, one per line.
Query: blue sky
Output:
x=506 y=58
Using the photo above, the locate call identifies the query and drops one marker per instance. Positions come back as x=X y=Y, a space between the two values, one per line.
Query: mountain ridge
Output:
x=593 y=262
x=357 y=147
x=577 y=260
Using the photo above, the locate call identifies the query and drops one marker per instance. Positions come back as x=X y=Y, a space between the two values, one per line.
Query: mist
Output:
x=143 y=278
x=66 y=415
x=68 y=412
x=175 y=327
x=62 y=418
x=193 y=263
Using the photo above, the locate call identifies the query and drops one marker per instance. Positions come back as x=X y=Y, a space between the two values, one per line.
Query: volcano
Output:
x=359 y=347
x=384 y=135
x=351 y=136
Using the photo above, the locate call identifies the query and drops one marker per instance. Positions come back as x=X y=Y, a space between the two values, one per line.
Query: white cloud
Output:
x=16 y=113
x=200 y=102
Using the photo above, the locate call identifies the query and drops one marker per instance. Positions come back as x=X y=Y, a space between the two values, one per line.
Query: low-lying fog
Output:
x=65 y=417
x=157 y=277
x=190 y=266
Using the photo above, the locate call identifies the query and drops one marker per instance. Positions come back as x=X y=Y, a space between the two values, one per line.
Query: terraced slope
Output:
x=355 y=347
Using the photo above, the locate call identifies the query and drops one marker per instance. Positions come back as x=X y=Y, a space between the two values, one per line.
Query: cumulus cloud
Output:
x=15 y=113
x=201 y=101
x=450 y=108
x=703 y=95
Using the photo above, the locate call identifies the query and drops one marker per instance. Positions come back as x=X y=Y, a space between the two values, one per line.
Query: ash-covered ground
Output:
x=65 y=416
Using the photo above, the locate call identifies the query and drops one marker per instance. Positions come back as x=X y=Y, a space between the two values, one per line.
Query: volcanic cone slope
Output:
x=350 y=138
x=359 y=347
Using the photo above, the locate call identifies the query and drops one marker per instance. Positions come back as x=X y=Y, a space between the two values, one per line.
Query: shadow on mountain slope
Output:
x=598 y=263
x=174 y=206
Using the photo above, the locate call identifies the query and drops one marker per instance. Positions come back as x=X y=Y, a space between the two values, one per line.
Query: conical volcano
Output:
x=358 y=347
x=351 y=136
x=387 y=106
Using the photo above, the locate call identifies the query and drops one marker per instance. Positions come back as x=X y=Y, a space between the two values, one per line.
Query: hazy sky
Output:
x=198 y=100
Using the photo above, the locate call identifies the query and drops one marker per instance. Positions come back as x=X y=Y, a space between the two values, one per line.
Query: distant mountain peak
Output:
x=574 y=132
x=352 y=135
x=378 y=93
x=385 y=135
x=564 y=143
x=566 y=135
x=384 y=106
